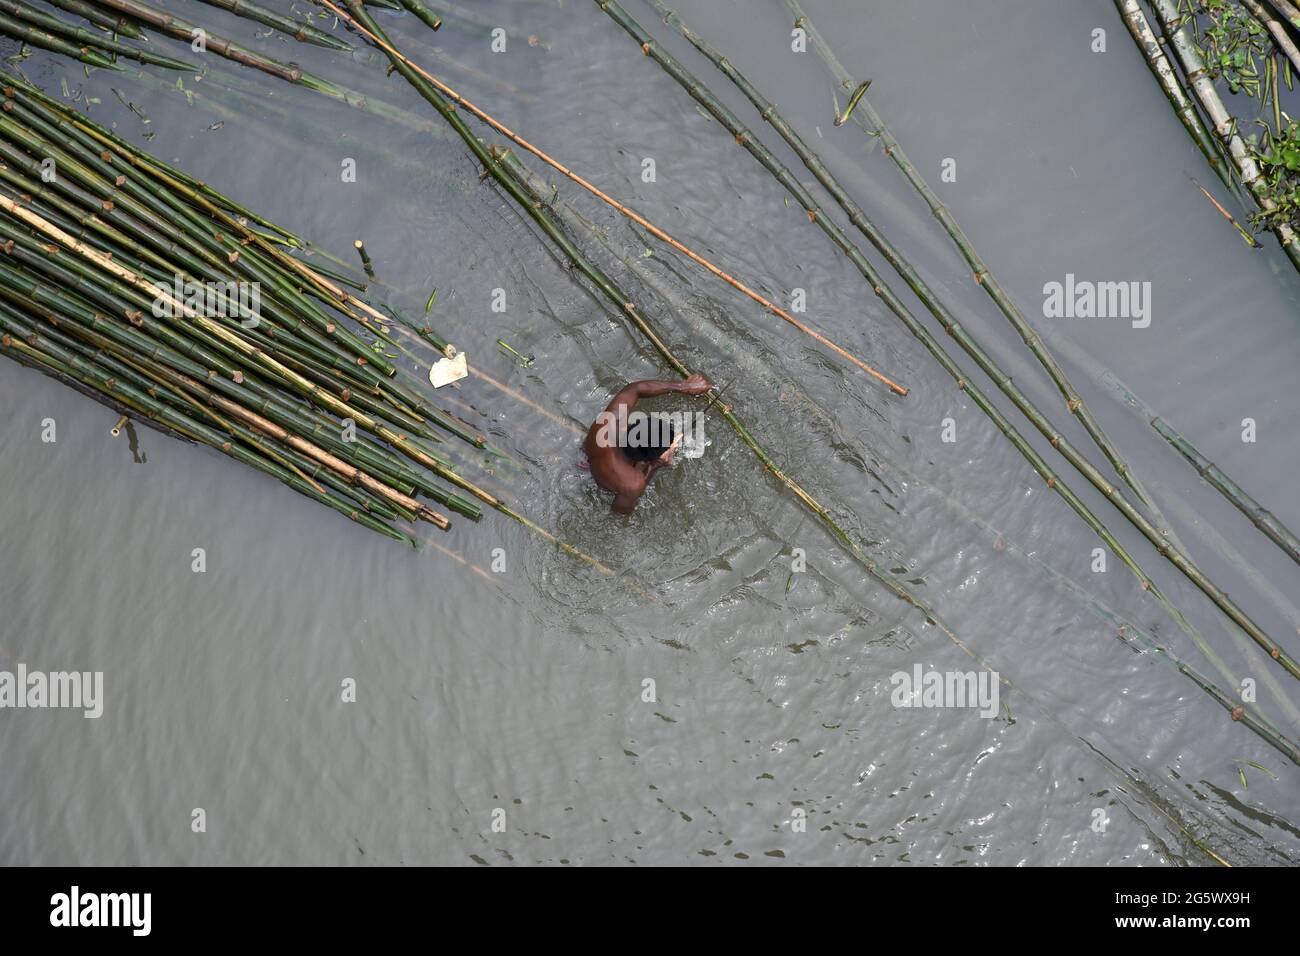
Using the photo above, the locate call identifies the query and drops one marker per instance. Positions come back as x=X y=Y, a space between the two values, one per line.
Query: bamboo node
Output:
x=1238 y=712
x=645 y=48
x=106 y=156
x=8 y=247
x=961 y=384
x=346 y=394
x=107 y=205
x=812 y=216
x=1051 y=482
x=1275 y=653
x=8 y=106
x=6 y=341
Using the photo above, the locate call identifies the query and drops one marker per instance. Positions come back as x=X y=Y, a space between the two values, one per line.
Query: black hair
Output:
x=641 y=452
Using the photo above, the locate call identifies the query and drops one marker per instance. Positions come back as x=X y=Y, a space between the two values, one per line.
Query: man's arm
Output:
x=632 y=393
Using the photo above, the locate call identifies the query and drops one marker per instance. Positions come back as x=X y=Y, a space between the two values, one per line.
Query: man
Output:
x=619 y=462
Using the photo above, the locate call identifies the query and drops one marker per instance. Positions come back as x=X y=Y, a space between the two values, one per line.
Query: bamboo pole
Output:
x=189 y=32
x=423 y=13
x=1135 y=19
x=300 y=31
x=746 y=138
x=99 y=18
x=1259 y=516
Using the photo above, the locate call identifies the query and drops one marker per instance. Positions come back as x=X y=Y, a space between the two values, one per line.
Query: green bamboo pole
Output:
x=185 y=30
x=300 y=31
x=90 y=38
x=1259 y=516
x=423 y=13
x=99 y=18
x=1139 y=27
x=48 y=41
x=1178 y=31
x=747 y=139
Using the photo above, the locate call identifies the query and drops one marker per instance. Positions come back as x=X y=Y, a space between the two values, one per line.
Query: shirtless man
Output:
x=626 y=468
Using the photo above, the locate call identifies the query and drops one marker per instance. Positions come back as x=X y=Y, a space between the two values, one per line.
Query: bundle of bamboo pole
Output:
x=154 y=293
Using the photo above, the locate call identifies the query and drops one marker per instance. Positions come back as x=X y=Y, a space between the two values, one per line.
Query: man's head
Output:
x=640 y=452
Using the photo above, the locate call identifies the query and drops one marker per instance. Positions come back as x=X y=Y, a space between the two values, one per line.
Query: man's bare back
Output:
x=611 y=464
